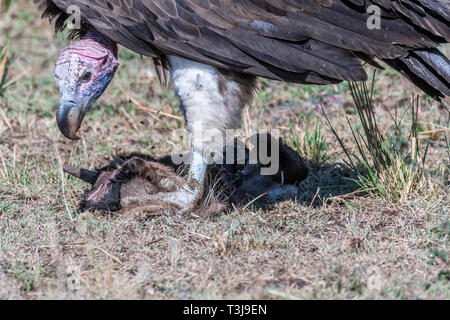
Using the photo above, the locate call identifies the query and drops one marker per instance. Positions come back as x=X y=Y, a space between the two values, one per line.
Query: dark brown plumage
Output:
x=302 y=41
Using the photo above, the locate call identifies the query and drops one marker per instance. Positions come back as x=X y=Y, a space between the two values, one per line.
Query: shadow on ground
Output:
x=328 y=181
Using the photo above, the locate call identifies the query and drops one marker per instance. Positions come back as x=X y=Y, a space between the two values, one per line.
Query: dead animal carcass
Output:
x=129 y=184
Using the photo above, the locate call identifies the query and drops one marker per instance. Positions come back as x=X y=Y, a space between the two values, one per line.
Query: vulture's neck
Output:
x=93 y=35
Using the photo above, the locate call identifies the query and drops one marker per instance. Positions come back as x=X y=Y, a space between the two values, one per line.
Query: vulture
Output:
x=213 y=51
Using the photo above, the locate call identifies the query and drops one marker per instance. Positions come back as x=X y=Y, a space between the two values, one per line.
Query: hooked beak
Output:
x=69 y=117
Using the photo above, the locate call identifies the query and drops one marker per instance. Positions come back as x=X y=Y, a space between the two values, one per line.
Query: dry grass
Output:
x=335 y=242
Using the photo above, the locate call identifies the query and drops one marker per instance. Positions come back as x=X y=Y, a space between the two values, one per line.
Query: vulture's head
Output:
x=83 y=72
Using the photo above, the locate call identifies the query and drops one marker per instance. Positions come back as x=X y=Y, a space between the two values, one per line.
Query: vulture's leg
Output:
x=211 y=102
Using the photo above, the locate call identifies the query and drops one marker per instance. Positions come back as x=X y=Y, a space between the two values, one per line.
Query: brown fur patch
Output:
x=246 y=83
x=140 y=186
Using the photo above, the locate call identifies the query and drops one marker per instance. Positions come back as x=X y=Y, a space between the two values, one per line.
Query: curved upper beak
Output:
x=69 y=117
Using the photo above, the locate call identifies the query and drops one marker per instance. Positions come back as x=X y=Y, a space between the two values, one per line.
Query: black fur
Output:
x=233 y=184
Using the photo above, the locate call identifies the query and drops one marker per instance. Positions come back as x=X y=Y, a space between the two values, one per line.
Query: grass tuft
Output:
x=313 y=146
x=390 y=163
x=5 y=62
x=5 y=5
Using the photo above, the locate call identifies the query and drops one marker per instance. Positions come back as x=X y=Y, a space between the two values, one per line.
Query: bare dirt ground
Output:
x=335 y=242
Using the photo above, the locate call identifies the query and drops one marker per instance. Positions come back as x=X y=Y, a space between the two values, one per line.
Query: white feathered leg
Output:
x=197 y=169
x=210 y=100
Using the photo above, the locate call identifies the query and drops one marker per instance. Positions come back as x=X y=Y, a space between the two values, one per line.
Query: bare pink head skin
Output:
x=83 y=72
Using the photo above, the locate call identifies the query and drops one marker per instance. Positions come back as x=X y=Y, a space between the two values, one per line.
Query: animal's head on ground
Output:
x=129 y=182
x=83 y=72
